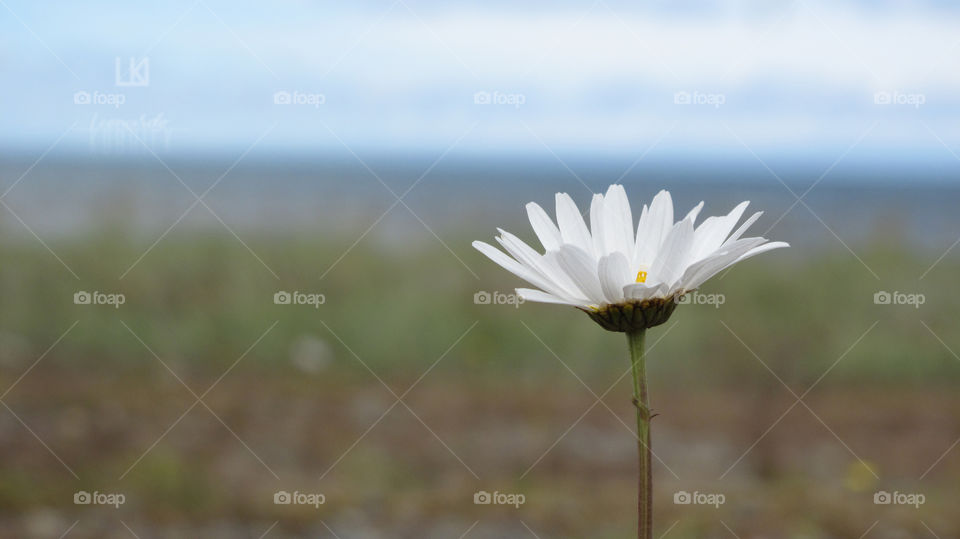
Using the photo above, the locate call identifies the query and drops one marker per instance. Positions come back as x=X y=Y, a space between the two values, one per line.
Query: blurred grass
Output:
x=203 y=298
x=499 y=398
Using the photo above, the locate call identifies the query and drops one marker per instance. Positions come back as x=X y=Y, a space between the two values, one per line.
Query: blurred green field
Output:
x=497 y=393
x=202 y=298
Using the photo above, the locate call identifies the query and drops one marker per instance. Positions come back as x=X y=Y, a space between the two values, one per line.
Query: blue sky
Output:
x=875 y=80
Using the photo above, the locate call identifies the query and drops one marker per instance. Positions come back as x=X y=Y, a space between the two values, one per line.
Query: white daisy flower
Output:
x=608 y=271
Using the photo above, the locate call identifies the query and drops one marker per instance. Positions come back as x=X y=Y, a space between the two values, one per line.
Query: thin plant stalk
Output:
x=641 y=399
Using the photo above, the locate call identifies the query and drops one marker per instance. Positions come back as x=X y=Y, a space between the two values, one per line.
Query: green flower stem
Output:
x=641 y=399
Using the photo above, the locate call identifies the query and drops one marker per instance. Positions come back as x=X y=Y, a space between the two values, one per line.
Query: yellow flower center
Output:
x=642 y=276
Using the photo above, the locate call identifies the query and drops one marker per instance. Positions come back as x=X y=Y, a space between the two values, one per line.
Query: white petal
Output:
x=695 y=212
x=503 y=260
x=641 y=247
x=714 y=231
x=617 y=222
x=551 y=264
x=654 y=229
x=582 y=269
x=572 y=228
x=529 y=294
x=614 y=273
x=737 y=251
x=642 y=291
x=743 y=228
x=700 y=271
x=543 y=227
x=661 y=214
x=763 y=248
x=516 y=268
x=596 y=225
x=518 y=249
x=551 y=273
x=672 y=257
